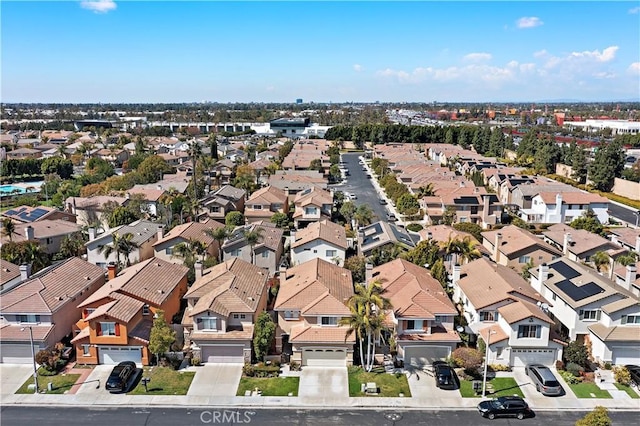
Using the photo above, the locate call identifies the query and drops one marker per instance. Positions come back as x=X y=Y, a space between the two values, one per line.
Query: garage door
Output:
x=220 y=353
x=624 y=355
x=522 y=357
x=425 y=355
x=324 y=357
x=16 y=353
x=114 y=355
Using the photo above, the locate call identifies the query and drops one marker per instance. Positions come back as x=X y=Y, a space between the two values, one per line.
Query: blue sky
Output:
x=162 y=51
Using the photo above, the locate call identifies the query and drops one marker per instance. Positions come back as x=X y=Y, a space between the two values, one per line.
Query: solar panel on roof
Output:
x=565 y=270
x=578 y=293
x=10 y=212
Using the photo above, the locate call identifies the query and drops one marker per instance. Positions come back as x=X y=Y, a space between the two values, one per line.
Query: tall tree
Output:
x=579 y=165
x=8 y=228
x=356 y=324
x=607 y=165
x=219 y=234
x=162 y=335
x=253 y=237
x=601 y=261
x=120 y=245
x=263 y=335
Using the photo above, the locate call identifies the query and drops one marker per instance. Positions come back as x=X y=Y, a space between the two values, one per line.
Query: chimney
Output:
x=629 y=277
x=127 y=196
x=293 y=237
x=496 y=247
x=92 y=234
x=198 y=268
x=638 y=244
x=558 y=203
x=429 y=235
x=543 y=273
x=159 y=187
x=112 y=271
x=29 y=234
x=565 y=243
x=485 y=207
x=282 y=271
x=368 y=273
x=286 y=191
x=455 y=274
x=25 y=271
x=160 y=232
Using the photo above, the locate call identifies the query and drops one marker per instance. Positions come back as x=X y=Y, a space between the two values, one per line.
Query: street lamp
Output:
x=486 y=362
x=33 y=356
x=637 y=217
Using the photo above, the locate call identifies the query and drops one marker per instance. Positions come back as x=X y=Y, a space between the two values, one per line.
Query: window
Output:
x=488 y=316
x=168 y=250
x=208 y=323
x=590 y=315
x=265 y=254
x=329 y=321
x=440 y=319
x=414 y=325
x=30 y=319
x=236 y=316
x=257 y=207
x=236 y=252
x=499 y=352
x=85 y=350
x=331 y=253
x=630 y=319
x=529 y=331
x=145 y=309
x=243 y=316
x=49 y=241
x=215 y=209
x=291 y=315
x=524 y=259
x=553 y=296
x=309 y=210
x=108 y=329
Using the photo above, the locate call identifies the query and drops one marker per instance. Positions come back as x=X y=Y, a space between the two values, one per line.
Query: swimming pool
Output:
x=11 y=189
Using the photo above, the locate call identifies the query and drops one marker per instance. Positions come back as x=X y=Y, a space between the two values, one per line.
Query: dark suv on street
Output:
x=634 y=370
x=446 y=378
x=505 y=406
x=120 y=375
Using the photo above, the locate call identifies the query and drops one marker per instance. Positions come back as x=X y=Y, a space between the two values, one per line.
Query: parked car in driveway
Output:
x=634 y=370
x=445 y=376
x=543 y=379
x=120 y=375
x=505 y=406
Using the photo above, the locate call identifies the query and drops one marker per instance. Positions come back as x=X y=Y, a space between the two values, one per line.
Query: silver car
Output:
x=544 y=380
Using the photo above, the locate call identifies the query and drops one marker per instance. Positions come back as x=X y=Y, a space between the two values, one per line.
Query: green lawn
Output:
x=584 y=390
x=273 y=386
x=502 y=386
x=390 y=385
x=164 y=381
x=633 y=394
x=61 y=383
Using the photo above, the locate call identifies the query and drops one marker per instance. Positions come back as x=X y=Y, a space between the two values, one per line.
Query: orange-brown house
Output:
x=117 y=319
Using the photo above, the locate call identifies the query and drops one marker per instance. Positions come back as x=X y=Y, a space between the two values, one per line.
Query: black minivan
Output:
x=120 y=375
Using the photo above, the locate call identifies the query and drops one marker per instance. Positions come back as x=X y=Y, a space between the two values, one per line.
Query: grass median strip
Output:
x=61 y=383
x=164 y=381
x=499 y=386
x=586 y=390
x=273 y=386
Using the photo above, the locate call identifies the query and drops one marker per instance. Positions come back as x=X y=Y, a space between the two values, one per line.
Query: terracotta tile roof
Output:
x=94 y=202
x=44 y=229
x=497 y=334
x=17 y=333
x=26 y=214
x=314 y=196
x=619 y=333
x=574 y=197
x=232 y=286
x=325 y=230
x=142 y=331
x=449 y=336
x=317 y=334
x=583 y=241
x=84 y=334
x=485 y=283
x=521 y=309
x=245 y=334
x=148 y=194
x=443 y=233
x=413 y=292
x=192 y=230
x=51 y=289
x=515 y=240
x=303 y=284
x=326 y=304
x=9 y=271
x=267 y=196
x=271 y=236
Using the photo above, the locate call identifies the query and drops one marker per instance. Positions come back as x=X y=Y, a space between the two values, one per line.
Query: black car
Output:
x=446 y=378
x=383 y=201
x=120 y=375
x=505 y=406
x=634 y=370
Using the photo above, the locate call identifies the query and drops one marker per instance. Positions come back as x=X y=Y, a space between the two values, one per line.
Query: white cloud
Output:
x=477 y=57
x=634 y=68
x=540 y=53
x=99 y=6
x=357 y=68
x=604 y=74
x=634 y=11
x=529 y=22
x=607 y=54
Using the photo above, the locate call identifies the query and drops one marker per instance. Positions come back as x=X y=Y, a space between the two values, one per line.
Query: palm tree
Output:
x=72 y=246
x=627 y=259
x=356 y=323
x=121 y=244
x=8 y=228
x=195 y=151
x=363 y=215
x=425 y=191
x=601 y=261
x=190 y=250
x=33 y=254
x=252 y=237
x=219 y=234
x=464 y=249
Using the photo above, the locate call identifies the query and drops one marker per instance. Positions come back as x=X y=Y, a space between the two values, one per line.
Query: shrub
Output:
x=607 y=366
x=622 y=375
x=569 y=378
x=195 y=361
x=414 y=227
x=499 y=367
x=294 y=366
x=576 y=353
x=468 y=358
x=598 y=417
x=42 y=371
x=574 y=369
x=559 y=365
x=261 y=370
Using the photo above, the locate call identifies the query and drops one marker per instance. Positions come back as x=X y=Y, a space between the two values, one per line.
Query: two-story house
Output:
x=579 y=244
x=267 y=251
x=502 y=308
x=311 y=302
x=380 y=235
x=264 y=203
x=10 y=276
x=49 y=233
x=222 y=307
x=28 y=214
x=144 y=235
x=627 y=238
x=222 y=201
x=311 y=205
x=325 y=240
x=422 y=314
x=517 y=248
x=116 y=319
x=564 y=207
x=164 y=248
x=46 y=303
x=589 y=308
x=89 y=210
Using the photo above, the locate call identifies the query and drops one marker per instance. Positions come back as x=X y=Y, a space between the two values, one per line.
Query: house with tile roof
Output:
x=311 y=205
x=264 y=203
x=579 y=244
x=88 y=210
x=324 y=240
x=217 y=204
x=422 y=316
x=311 y=302
x=441 y=234
x=590 y=308
x=49 y=233
x=382 y=234
x=267 y=253
x=28 y=214
x=628 y=238
x=294 y=181
x=116 y=320
x=517 y=248
x=10 y=275
x=46 y=302
x=564 y=207
x=191 y=231
x=628 y=277
x=223 y=305
x=501 y=308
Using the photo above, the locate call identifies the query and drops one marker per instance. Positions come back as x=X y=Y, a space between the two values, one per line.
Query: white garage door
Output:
x=13 y=353
x=324 y=357
x=522 y=357
x=223 y=353
x=419 y=356
x=624 y=355
x=114 y=355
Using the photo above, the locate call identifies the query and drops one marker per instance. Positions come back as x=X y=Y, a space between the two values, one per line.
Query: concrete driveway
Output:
x=12 y=376
x=216 y=379
x=90 y=385
x=423 y=385
x=324 y=382
x=535 y=398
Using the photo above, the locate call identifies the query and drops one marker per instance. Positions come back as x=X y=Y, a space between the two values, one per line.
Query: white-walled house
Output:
x=144 y=233
x=551 y=207
x=590 y=308
x=324 y=240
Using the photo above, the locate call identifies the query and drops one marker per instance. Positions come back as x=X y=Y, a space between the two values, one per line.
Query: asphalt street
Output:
x=70 y=416
x=626 y=214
